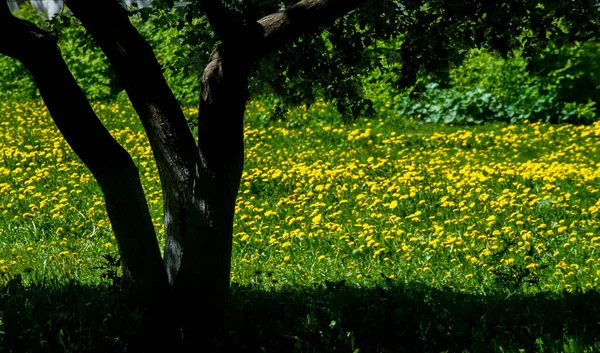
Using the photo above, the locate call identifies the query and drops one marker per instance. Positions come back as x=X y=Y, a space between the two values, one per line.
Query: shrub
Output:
x=559 y=87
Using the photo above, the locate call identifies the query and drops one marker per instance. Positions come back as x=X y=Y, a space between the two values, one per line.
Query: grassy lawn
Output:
x=379 y=236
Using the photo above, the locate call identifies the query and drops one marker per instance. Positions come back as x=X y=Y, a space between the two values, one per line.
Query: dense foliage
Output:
x=562 y=88
x=518 y=74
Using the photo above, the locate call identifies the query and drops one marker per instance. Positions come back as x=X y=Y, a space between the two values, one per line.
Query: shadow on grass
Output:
x=73 y=317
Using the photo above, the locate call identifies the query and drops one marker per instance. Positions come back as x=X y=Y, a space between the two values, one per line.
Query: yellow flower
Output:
x=317 y=218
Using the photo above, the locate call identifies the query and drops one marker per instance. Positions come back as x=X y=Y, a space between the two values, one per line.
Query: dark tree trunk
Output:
x=205 y=272
x=171 y=140
x=199 y=183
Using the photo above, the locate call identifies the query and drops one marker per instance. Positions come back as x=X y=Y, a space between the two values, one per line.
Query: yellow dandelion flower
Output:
x=317 y=218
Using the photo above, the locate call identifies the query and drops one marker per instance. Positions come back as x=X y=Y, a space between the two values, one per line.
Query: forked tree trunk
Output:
x=200 y=183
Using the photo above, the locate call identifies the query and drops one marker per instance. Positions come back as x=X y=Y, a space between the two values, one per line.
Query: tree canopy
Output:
x=408 y=38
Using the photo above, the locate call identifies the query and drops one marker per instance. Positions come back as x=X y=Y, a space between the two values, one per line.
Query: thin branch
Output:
x=303 y=17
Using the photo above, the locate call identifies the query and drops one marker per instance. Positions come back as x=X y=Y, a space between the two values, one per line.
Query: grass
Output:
x=381 y=236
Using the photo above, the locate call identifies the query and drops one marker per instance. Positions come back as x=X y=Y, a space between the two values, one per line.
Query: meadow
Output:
x=484 y=236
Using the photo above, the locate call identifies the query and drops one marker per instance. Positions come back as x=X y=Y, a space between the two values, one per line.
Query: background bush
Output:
x=561 y=86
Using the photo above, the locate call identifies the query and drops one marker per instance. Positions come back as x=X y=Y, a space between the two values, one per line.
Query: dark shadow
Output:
x=412 y=318
x=335 y=318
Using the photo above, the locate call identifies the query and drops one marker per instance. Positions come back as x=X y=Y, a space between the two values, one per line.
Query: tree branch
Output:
x=303 y=17
x=172 y=143
x=110 y=164
x=140 y=73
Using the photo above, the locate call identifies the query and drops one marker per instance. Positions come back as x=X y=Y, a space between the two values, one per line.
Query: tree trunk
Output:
x=202 y=284
x=199 y=182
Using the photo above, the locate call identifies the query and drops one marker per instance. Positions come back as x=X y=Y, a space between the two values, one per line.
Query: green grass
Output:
x=384 y=235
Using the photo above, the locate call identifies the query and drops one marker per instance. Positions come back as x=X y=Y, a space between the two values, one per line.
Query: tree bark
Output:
x=205 y=272
x=301 y=18
x=190 y=215
x=223 y=97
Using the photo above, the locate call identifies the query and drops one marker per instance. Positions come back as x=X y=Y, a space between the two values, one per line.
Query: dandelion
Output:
x=316 y=219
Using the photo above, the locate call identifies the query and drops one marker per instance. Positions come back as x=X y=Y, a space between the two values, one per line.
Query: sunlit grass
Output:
x=470 y=209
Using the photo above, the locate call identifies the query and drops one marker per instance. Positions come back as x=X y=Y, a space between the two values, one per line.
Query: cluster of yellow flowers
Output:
x=457 y=203
x=51 y=209
x=448 y=206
